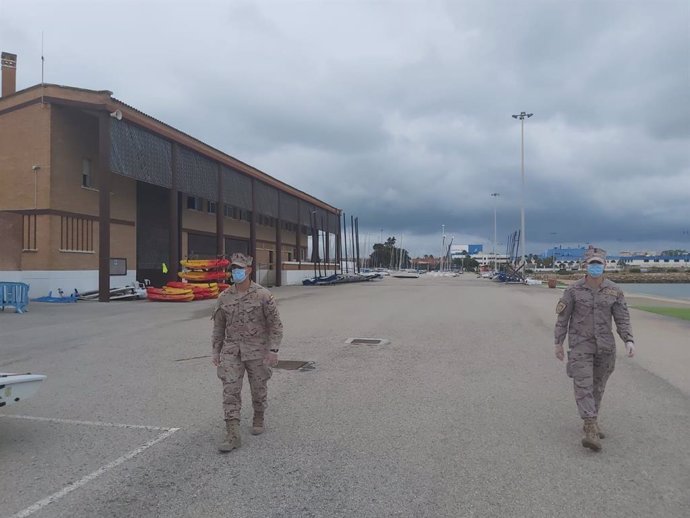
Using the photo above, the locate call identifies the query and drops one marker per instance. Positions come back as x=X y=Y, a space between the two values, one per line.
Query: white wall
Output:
x=41 y=282
x=295 y=277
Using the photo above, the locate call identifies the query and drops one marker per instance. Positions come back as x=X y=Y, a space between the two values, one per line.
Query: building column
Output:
x=104 y=207
x=220 y=216
x=279 y=246
x=298 y=236
x=174 y=221
x=252 y=231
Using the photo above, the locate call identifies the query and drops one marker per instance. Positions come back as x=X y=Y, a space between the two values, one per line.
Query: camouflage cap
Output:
x=241 y=260
x=595 y=254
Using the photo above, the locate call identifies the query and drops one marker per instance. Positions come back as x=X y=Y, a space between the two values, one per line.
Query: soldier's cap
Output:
x=241 y=260
x=595 y=254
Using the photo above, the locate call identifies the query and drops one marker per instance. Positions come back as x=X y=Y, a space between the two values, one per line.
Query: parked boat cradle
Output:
x=134 y=291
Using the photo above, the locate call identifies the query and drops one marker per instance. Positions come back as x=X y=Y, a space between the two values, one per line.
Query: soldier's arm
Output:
x=564 y=309
x=218 y=335
x=621 y=316
x=274 y=327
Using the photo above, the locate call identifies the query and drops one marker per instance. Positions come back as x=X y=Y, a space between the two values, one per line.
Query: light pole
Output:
x=553 y=255
x=443 y=248
x=522 y=116
x=495 y=196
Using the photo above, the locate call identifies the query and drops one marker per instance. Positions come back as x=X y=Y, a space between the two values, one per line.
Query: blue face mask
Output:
x=239 y=275
x=595 y=270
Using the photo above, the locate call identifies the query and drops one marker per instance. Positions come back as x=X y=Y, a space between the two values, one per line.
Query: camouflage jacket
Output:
x=584 y=314
x=246 y=323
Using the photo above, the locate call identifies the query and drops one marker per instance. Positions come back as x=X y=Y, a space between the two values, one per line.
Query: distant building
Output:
x=570 y=258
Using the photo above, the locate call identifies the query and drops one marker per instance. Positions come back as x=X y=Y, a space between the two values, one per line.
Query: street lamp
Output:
x=553 y=255
x=495 y=196
x=443 y=248
x=522 y=116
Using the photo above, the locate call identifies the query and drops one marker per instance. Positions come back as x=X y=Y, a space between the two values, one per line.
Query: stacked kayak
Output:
x=204 y=270
x=168 y=294
x=201 y=291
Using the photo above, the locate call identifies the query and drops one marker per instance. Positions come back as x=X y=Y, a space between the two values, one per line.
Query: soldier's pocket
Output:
x=578 y=366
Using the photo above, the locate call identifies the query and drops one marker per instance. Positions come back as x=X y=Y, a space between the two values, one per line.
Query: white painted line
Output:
x=88 y=478
x=86 y=423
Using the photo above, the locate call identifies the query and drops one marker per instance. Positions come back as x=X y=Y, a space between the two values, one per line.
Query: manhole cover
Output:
x=367 y=341
x=294 y=365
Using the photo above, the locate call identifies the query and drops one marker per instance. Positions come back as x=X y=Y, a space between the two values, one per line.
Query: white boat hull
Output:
x=17 y=387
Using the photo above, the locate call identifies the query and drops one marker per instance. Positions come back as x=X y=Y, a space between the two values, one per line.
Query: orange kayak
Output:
x=203 y=276
x=205 y=264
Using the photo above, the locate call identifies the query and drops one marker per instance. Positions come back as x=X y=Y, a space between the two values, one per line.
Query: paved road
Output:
x=465 y=413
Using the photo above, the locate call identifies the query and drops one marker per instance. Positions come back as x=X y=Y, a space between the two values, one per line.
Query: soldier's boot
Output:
x=600 y=434
x=232 y=439
x=591 y=438
x=258 y=423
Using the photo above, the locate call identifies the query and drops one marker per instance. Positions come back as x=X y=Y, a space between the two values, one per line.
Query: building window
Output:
x=76 y=234
x=230 y=212
x=211 y=207
x=193 y=203
x=29 y=233
x=86 y=175
x=289 y=256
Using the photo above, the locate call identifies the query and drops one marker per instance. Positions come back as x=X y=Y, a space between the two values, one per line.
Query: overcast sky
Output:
x=399 y=112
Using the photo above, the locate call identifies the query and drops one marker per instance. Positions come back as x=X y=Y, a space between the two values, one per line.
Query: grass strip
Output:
x=682 y=313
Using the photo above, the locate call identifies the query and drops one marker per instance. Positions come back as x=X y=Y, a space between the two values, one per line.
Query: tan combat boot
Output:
x=258 y=423
x=591 y=438
x=599 y=432
x=232 y=440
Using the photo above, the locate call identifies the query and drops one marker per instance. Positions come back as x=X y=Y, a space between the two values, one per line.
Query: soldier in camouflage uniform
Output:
x=247 y=332
x=584 y=314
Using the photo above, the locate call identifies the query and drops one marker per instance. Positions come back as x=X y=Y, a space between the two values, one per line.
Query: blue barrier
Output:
x=14 y=294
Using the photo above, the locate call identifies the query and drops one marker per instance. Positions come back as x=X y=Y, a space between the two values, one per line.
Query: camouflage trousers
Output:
x=589 y=372
x=231 y=373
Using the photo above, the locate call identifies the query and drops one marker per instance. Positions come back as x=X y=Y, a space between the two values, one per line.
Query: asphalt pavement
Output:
x=464 y=413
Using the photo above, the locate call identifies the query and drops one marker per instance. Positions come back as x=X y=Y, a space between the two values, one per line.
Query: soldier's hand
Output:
x=215 y=359
x=630 y=348
x=560 y=354
x=271 y=359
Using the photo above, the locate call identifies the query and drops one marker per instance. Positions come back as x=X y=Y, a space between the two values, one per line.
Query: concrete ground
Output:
x=465 y=413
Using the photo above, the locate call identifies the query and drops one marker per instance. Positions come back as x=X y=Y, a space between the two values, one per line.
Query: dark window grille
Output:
x=76 y=234
x=29 y=232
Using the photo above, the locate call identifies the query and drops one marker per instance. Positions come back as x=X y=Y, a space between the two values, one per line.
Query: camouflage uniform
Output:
x=584 y=314
x=246 y=325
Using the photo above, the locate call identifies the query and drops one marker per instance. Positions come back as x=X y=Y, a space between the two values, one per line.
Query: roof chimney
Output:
x=9 y=73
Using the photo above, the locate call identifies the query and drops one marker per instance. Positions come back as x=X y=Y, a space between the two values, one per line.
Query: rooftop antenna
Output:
x=43 y=61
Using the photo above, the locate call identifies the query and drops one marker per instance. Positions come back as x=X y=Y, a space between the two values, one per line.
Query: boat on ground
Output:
x=17 y=387
x=406 y=274
x=341 y=278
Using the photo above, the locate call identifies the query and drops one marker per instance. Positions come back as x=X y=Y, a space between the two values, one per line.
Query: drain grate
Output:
x=367 y=341
x=295 y=365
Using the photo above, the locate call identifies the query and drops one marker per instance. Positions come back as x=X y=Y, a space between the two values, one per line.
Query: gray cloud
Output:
x=399 y=112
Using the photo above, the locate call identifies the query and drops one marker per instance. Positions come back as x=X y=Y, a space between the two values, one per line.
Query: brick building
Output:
x=73 y=159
